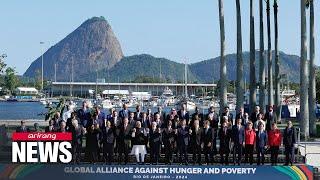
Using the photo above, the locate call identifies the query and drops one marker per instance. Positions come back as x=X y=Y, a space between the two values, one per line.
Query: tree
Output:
x=253 y=85
x=223 y=66
x=262 y=74
x=10 y=79
x=318 y=85
x=277 y=63
x=239 y=83
x=270 y=71
x=312 y=81
x=304 y=109
x=37 y=80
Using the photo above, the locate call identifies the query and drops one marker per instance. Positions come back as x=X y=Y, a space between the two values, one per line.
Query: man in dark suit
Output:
x=213 y=119
x=138 y=113
x=169 y=140
x=157 y=120
x=132 y=121
x=77 y=134
x=84 y=114
x=254 y=115
x=289 y=140
x=161 y=113
x=124 y=139
x=195 y=141
x=238 y=133
x=124 y=112
x=241 y=116
x=145 y=123
x=269 y=118
x=108 y=138
x=208 y=141
x=51 y=127
x=115 y=120
x=183 y=141
x=224 y=136
x=155 y=139
x=197 y=115
x=261 y=143
x=184 y=114
x=22 y=127
x=101 y=117
x=227 y=114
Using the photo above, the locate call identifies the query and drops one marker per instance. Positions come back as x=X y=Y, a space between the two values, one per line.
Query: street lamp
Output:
x=42 y=67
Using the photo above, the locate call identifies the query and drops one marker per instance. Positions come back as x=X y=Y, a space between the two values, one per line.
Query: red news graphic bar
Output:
x=41 y=136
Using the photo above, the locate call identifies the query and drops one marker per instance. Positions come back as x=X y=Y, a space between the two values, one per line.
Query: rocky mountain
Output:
x=208 y=70
x=143 y=65
x=95 y=52
x=93 y=45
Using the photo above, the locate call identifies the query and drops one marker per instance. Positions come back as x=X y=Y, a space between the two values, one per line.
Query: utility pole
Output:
x=42 y=66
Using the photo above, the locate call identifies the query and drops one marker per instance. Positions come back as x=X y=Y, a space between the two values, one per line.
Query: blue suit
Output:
x=238 y=135
x=101 y=118
x=261 y=142
x=124 y=113
x=84 y=117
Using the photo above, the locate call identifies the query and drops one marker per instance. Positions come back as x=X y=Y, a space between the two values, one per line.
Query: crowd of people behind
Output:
x=136 y=133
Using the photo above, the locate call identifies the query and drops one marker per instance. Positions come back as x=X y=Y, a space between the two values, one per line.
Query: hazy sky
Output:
x=175 y=29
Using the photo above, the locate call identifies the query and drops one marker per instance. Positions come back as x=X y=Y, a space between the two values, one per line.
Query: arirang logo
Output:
x=39 y=147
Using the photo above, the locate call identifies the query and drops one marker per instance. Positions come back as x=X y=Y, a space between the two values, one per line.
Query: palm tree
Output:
x=312 y=81
x=223 y=66
x=239 y=84
x=277 y=63
x=262 y=74
x=304 y=109
x=252 y=61
x=270 y=71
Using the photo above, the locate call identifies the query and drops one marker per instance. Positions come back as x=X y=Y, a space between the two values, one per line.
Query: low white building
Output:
x=26 y=90
x=115 y=92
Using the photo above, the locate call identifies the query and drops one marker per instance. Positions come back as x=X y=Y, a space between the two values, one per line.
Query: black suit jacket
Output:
x=155 y=138
x=183 y=136
x=193 y=117
x=238 y=135
x=20 y=129
x=214 y=122
x=186 y=116
x=241 y=116
x=269 y=118
x=289 y=137
x=254 y=117
x=108 y=136
x=196 y=137
x=138 y=116
x=124 y=136
x=224 y=140
x=208 y=136
x=169 y=137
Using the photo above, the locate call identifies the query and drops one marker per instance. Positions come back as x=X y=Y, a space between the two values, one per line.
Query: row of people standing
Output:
x=126 y=130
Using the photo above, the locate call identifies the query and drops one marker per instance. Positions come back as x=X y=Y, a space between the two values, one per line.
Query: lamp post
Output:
x=42 y=67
